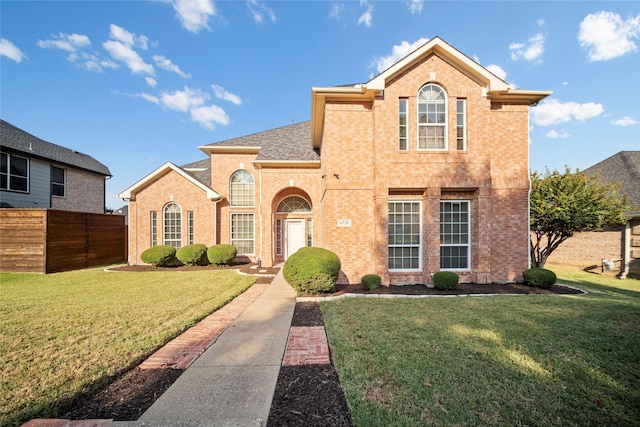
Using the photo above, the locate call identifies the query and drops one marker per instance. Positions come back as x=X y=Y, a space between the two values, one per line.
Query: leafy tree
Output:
x=563 y=204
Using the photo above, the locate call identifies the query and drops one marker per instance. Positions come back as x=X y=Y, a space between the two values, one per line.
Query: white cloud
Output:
x=9 y=50
x=259 y=10
x=608 y=36
x=124 y=53
x=624 y=121
x=151 y=98
x=183 y=100
x=552 y=111
x=222 y=93
x=555 y=135
x=397 y=53
x=415 y=6
x=130 y=39
x=194 y=14
x=531 y=51
x=336 y=11
x=540 y=22
x=166 y=64
x=497 y=70
x=208 y=116
x=151 y=81
x=367 y=17
x=67 y=42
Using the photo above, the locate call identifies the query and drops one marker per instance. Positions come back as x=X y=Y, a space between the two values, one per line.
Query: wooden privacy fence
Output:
x=49 y=241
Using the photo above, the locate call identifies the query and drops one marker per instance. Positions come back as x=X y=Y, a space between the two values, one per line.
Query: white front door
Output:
x=294 y=236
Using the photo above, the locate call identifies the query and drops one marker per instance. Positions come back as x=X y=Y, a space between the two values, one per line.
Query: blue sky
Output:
x=138 y=83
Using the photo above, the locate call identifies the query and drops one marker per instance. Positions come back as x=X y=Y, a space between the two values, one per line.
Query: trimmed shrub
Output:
x=445 y=280
x=539 y=277
x=312 y=270
x=371 y=281
x=159 y=256
x=194 y=254
x=221 y=254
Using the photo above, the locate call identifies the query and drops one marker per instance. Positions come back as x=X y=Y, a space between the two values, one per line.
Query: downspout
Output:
x=259 y=260
x=627 y=249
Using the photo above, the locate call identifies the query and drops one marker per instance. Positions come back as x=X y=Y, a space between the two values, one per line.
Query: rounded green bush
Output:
x=221 y=254
x=371 y=281
x=312 y=270
x=159 y=256
x=194 y=254
x=539 y=277
x=445 y=280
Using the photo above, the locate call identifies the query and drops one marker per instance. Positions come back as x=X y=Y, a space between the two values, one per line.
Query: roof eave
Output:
x=306 y=164
x=209 y=149
x=530 y=97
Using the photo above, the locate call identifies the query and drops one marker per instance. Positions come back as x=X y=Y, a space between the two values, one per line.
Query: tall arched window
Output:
x=432 y=118
x=241 y=189
x=172 y=214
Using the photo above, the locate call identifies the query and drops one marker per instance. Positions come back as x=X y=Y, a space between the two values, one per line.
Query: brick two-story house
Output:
x=421 y=169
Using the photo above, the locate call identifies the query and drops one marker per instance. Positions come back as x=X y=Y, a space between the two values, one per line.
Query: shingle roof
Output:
x=625 y=167
x=23 y=142
x=288 y=143
x=200 y=170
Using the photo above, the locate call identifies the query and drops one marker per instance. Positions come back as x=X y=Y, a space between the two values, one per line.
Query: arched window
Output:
x=294 y=204
x=172 y=214
x=432 y=118
x=241 y=189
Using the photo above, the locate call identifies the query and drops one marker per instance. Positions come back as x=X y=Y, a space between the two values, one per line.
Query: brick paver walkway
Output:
x=307 y=345
x=182 y=351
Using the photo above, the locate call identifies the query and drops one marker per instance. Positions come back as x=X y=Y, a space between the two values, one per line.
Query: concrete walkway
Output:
x=232 y=382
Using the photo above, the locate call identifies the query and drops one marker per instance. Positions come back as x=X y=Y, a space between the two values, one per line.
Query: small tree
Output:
x=563 y=204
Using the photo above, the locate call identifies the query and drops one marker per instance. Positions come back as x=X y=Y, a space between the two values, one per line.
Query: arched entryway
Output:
x=293 y=227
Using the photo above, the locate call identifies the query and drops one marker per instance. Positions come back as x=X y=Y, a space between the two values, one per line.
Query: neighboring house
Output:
x=38 y=174
x=618 y=244
x=421 y=169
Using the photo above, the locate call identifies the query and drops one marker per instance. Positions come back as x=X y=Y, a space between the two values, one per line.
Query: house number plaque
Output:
x=345 y=222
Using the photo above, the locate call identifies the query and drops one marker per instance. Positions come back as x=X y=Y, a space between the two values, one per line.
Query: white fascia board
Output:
x=306 y=164
x=208 y=149
x=126 y=194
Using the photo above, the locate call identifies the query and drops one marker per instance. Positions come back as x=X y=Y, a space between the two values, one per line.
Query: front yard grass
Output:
x=508 y=360
x=65 y=334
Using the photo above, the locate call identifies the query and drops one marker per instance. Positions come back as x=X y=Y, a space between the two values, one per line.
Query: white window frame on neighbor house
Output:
x=241 y=189
x=403 y=125
x=404 y=236
x=243 y=232
x=461 y=124
x=56 y=184
x=153 y=225
x=172 y=225
x=455 y=234
x=9 y=176
x=432 y=118
x=190 y=228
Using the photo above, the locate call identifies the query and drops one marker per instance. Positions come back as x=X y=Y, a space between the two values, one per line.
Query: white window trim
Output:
x=231 y=239
x=253 y=195
x=153 y=228
x=164 y=227
x=446 y=121
x=468 y=244
x=419 y=245
x=464 y=124
x=190 y=227
x=63 y=185
x=9 y=175
x=405 y=102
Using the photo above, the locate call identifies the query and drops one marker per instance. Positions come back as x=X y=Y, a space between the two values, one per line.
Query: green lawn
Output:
x=66 y=333
x=509 y=360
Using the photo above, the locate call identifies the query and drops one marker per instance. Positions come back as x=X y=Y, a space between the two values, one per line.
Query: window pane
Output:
x=241 y=189
x=454 y=235
x=404 y=235
x=18 y=166
x=173 y=225
x=242 y=226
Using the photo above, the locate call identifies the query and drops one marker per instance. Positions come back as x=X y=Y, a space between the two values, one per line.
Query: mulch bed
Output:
x=304 y=396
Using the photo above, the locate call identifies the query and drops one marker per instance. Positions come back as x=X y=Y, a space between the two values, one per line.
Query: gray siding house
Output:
x=38 y=174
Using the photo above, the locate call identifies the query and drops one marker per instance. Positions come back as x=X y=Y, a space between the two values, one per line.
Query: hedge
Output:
x=312 y=270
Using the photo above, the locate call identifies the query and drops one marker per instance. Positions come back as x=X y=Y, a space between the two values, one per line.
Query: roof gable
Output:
x=130 y=192
x=19 y=141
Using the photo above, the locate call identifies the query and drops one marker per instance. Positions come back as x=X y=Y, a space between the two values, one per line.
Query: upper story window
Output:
x=14 y=173
x=57 y=182
x=461 y=124
x=241 y=189
x=173 y=225
x=403 y=130
x=432 y=118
